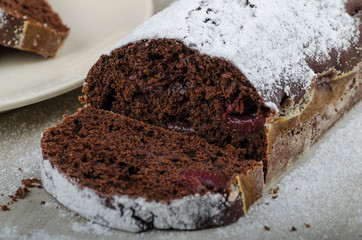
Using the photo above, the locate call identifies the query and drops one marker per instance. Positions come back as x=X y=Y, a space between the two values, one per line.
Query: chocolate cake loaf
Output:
x=268 y=77
x=133 y=176
x=233 y=91
x=31 y=25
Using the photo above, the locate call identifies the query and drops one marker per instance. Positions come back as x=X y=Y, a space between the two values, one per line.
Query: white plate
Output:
x=96 y=26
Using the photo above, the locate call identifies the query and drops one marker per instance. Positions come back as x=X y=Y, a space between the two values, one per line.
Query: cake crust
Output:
x=288 y=138
x=28 y=34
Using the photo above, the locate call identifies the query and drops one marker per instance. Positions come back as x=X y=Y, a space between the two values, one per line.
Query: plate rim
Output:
x=64 y=85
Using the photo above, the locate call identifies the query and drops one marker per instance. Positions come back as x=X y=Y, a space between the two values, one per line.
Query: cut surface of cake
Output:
x=138 y=176
x=31 y=25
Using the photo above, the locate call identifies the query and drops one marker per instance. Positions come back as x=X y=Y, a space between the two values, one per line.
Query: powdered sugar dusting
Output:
x=20 y=134
x=2 y=19
x=269 y=41
x=131 y=214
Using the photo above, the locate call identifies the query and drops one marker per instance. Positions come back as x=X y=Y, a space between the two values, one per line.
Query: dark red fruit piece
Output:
x=200 y=180
x=193 y=185
x=241 y=115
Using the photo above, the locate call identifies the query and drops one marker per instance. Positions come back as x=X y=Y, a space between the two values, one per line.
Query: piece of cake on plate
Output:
x=31 y=25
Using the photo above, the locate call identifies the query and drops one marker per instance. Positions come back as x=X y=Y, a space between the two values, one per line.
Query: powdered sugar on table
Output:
x=322 y=191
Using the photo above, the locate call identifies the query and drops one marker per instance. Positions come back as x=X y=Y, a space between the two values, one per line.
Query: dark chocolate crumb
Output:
x=20 y=169
x=267 y=228
x=274 y=192
x=267 y=203
x=21 y=193
x=42 y=203
x=306 y=225
x=32 y=183
x=13 y=198
x=5 y=208
x=293 y=229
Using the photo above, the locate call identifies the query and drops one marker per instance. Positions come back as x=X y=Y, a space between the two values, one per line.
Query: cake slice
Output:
x=130 y=175
x=31 y=25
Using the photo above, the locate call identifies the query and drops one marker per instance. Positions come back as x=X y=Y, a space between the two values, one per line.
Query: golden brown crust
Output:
x=288 y=138
x=31 y=36
x=251 y=185
x=41 y=40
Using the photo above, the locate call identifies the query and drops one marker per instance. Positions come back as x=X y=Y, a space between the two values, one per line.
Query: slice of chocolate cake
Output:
x=31 y=25
x=269 y=77
x=129 y=175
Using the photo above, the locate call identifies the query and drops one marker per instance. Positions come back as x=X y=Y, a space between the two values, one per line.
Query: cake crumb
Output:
x=42 y=203
x=307 y=225
x=5 y=208
x=274 y=192
x=13 y=199
x=32 y=183
x=293 y=229
x=20 y=169
x=21 y=193
x=267 y=228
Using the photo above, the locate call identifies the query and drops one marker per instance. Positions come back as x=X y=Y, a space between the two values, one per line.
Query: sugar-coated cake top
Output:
x=269 y=41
